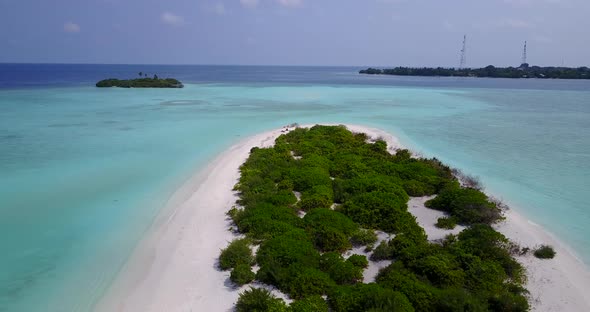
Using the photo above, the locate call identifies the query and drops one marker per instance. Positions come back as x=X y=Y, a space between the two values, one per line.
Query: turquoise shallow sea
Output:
x=84 y=171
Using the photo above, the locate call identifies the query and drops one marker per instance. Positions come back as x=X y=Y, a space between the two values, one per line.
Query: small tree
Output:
x=140 y=74
x=155 y=77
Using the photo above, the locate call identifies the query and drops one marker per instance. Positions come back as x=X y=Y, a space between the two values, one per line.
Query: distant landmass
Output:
x=144 y=82
x=523 y=71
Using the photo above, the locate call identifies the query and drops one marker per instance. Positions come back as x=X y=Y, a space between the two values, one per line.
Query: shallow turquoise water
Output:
x=85 y=170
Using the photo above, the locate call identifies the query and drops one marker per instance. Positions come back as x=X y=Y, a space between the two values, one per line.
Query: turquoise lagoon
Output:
x=84 y=171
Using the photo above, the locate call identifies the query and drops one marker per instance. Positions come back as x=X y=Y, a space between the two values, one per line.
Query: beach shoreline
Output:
x=173 y=268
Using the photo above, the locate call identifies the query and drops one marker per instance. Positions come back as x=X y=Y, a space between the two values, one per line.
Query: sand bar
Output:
x=174 y=266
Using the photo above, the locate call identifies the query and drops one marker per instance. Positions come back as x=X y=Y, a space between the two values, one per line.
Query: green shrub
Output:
x=326 y=239
x=484 y=242
x=238 y=252
x=544 y=252
x=309 y=282
x=242 y=274
x=358 y=261
x=459 y=300
x=306 y=178
x=259 y=300
x=309 y=304
x=285 y=250
x=340 y=270
x=447 y=223
x=368 y=297
x=467 y=205
x=417 y=189
x=311 y=201
x=508 y=302
x=328 y=218
x=363 y=237
x=440 y=268
x=421 y=294
x=380 y=210
x=382 y=252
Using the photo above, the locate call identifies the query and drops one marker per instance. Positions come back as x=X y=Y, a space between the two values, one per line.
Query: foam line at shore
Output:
x=174 y=266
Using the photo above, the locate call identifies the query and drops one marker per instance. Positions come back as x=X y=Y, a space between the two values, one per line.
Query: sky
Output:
x=295 y=32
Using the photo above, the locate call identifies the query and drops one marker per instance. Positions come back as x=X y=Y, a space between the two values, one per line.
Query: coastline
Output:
x=174 y=266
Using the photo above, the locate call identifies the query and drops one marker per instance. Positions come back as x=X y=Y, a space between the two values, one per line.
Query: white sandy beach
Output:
x=174 y=267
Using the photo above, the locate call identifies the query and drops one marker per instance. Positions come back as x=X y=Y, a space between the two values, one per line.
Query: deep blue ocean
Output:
x=84 y=171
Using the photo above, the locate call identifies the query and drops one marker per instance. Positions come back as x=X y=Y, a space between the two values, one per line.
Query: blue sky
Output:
x=295 y=32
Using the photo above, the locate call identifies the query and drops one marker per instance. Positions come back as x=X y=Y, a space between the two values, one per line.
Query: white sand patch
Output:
x=558 y=284
x=427 y=218
x=374 y=267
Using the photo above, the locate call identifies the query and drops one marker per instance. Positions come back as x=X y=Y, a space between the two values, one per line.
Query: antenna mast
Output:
x=524 y=54
x=463 y=59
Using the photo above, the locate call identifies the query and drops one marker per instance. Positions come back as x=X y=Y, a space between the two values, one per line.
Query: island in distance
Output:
x=523 y=71
x=143 y=82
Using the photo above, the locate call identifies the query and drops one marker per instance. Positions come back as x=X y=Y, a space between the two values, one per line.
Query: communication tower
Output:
x=463 y=59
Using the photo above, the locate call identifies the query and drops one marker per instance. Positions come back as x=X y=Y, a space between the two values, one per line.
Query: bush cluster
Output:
x=302 y=257
x=467 y=205
x=447 y=223
x=258 y=300
x=545 y=252
x=238 y=252
x=242 y=274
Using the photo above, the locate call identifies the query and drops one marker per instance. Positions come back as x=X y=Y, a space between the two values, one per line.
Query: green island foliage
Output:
x=242 y=274
x=303 y=256
x=259 y=300
x=447 y=223
x=523 y=71
x=145 y=82
x=238 y=252
x=309 y=304
x=363 y=237
x=544 y=252
x=466 y=205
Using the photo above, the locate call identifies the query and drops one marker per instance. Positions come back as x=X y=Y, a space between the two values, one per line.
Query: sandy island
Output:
x=174 y=266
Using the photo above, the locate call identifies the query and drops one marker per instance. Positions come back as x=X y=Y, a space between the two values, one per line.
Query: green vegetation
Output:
x=309 y=304
x=447 y=223
x=363 y=237
x=242 y=274
x=259 y=300
x=302 y=257
x=238 y=252
x=523 y=71
x=545 y=252
x=140 y=83
x=466 y=205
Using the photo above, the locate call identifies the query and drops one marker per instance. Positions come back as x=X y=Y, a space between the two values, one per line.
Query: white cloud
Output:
x=70 y=27
x=291 y=3
x=172 y=19
x=219 y=9
x=249 y=3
